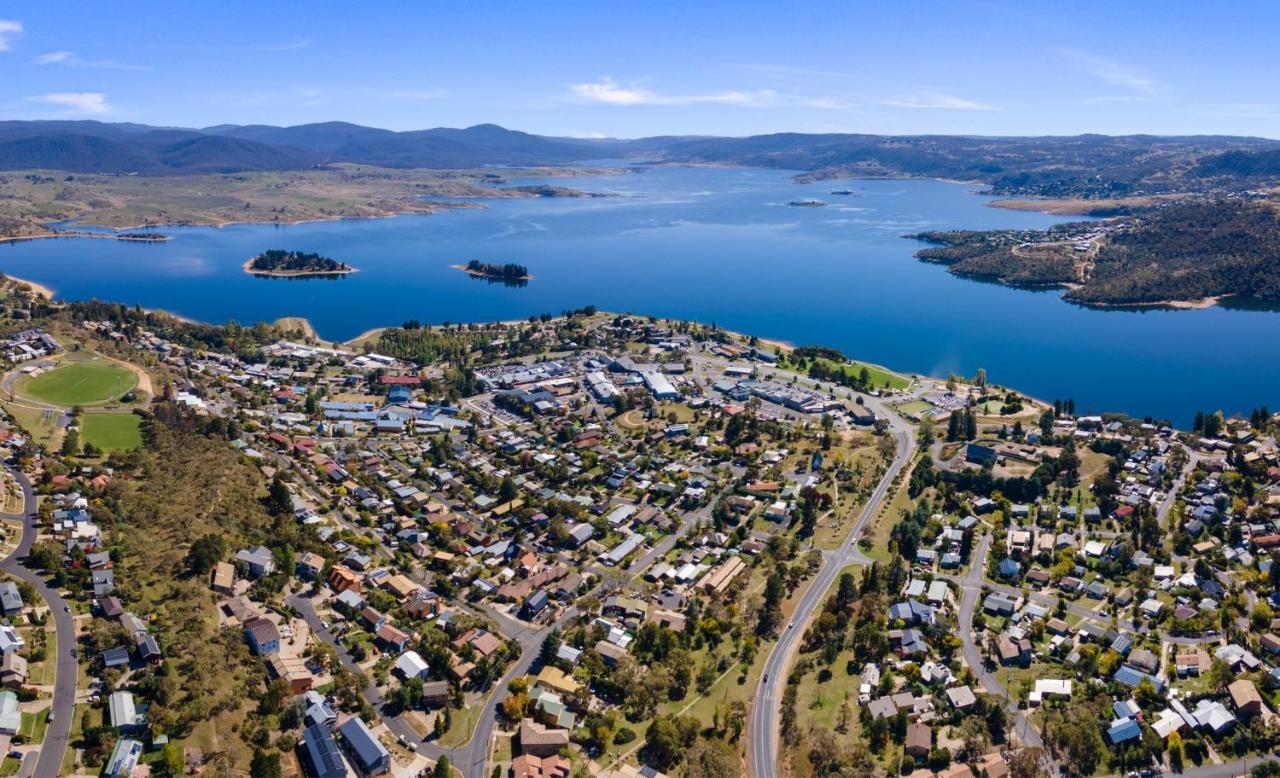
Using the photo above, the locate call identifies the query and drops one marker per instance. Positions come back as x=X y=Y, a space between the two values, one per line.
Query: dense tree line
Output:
x=282 y=261
x=980 y=482
x=506 y=272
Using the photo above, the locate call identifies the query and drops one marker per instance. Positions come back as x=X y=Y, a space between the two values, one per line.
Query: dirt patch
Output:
x=144 y=378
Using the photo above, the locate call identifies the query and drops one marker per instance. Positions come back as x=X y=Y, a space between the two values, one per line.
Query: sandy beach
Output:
x=40 y=289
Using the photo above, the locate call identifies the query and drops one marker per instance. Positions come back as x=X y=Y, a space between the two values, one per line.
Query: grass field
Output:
x=463 y=724
x=914 y=408
x=41 y=428
x=112 y=431
x=78 y=383
x=818 y=699
x=879 y=376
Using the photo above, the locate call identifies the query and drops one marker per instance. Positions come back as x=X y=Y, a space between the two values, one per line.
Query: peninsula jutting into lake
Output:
x=278 y=263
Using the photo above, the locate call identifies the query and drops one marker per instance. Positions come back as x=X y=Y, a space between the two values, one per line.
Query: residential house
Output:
x=224 y=578
x=263 y=636
x=10 y=598
x=368 y=755
x=258 y=560
x=10 y=716
x=537 y=740
x=919 y=740
x=124 y=759
x=961 y=697
x=323 y=757
x=1245 y=698
x=123 y=713
x=13 y=670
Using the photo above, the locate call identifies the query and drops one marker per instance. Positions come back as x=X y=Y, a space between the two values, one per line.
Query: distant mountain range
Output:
x=1084 y=165
x=97 y=147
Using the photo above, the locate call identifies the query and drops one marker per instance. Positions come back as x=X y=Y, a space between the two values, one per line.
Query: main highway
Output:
x=764 y=724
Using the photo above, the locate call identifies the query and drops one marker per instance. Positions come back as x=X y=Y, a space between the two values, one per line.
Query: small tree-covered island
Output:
x=295 y=264
x=509 y=273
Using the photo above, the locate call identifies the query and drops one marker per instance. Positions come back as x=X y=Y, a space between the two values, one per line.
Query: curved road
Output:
x=57 y=737
x=764 y=724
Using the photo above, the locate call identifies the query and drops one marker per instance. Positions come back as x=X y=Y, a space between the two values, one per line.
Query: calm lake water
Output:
x=714 y=245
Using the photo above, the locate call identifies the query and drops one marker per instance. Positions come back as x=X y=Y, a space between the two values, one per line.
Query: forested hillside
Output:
x=1190 y=252
x=1181 y=253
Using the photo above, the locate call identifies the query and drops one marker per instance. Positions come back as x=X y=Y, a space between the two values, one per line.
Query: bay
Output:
x=712 y=244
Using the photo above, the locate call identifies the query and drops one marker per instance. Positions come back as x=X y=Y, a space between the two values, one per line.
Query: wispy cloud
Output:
x=1106 y=99
x=76 y=103
x=610 y=92
x=416 y=95
x=8 y=27
x=70 y=59
x=1240 y=111
x=1113 y=72
x=312 y=96
x=937 y=101
x=294 y=45
x=288 y=45
x=791 y=71
x=305 y=96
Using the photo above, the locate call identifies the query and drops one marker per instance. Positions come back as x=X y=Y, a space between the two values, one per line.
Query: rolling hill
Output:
x=1074 y=166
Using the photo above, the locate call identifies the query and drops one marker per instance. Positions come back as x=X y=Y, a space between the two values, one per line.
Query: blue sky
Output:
x=633 y=69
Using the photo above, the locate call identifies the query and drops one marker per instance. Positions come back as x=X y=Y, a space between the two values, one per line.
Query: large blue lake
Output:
x=714 y=245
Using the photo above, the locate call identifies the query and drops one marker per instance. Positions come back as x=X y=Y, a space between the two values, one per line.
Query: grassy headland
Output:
x=29 y=202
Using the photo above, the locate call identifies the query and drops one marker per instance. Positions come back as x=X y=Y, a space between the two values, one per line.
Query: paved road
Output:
x=1226 y=769
x=469 y=758
x=688 y=522
x=764 y=724
x=52 y=752
x=970 y=589
x=372 y=695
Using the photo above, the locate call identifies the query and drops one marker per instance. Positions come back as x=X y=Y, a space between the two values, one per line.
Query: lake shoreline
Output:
x=694 y=245
x=102 y=235
x=39 y=289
